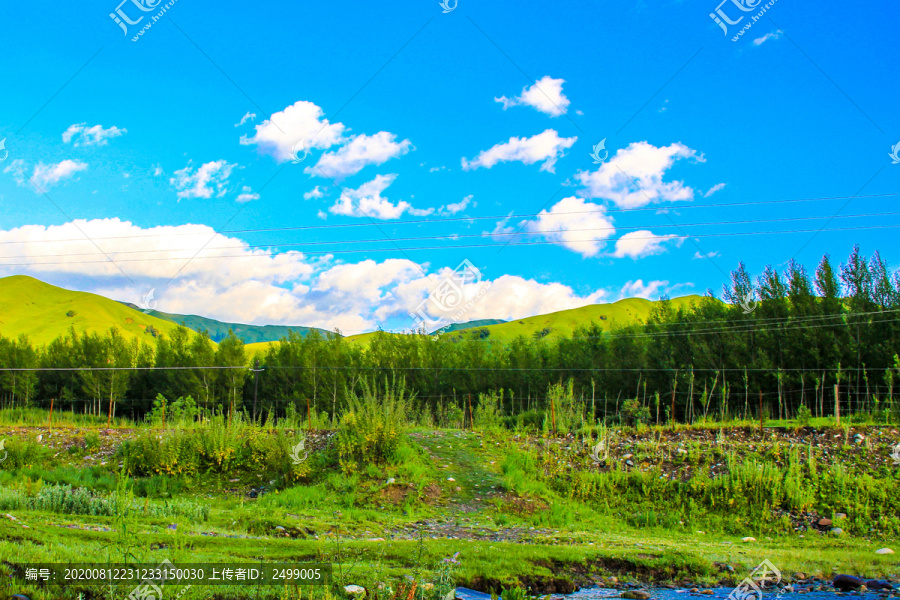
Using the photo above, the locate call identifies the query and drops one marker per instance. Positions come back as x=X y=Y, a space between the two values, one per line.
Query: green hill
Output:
x=553 y=325
x=218 y=330
x=44 y=312
x=564 y=322
x=471 y=324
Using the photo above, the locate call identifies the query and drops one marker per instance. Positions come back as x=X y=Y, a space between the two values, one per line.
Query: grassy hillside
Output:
x=250 y=334
x=553 y=325
x=44 y=312
x=564 y=323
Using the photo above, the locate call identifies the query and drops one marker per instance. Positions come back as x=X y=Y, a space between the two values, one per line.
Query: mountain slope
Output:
x=564 y=323
x=44 y=312
x=218 y=330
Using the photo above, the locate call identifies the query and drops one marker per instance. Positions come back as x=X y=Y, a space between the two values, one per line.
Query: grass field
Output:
x=516 y=506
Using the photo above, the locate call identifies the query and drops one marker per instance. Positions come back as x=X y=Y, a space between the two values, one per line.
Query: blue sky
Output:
x=446 y=134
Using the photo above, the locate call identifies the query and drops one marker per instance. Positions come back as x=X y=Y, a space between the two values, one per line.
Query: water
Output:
x=667 y=594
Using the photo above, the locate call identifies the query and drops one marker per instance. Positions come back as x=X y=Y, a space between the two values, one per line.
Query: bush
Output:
x=371 y=428
x=804 y=415
x=633 y=413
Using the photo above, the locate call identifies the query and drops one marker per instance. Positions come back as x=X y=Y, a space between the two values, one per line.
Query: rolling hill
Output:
x=44 y=312
x=250 y=334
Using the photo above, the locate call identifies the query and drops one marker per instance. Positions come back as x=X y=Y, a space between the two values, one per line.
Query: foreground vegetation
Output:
x=389 y=503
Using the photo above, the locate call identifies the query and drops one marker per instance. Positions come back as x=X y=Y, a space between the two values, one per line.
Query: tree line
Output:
x=776 y=342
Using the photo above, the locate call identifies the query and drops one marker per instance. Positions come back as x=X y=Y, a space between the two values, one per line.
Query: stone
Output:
x=840 y=515
x=825 y=522
x=837 y=531
x=847 y=582
x=707 y=592
x=748 y=539
x=354 y=589
x=884 y=551
x=450 y=479
x=635 y=595
x=280 y=528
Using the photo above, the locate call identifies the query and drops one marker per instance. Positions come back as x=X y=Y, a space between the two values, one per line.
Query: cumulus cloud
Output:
x=360 y=151
x=545 y=95
x=544 y=147
x=456 y=207
x=634 y=176
x=82 y=135
x=43 y=177
x=575 y=224
x=207 y=180
x=247 y=194
x=637 y=244
x=299 y=123
x=230 y=281
x=637 y=289
x=249 y=116
x=316 y=192
x=367 y=201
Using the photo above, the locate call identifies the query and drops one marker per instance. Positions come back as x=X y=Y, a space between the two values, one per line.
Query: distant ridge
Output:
x=218 y=330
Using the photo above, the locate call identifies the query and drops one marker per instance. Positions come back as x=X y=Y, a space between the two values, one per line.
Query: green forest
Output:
x=781 y=342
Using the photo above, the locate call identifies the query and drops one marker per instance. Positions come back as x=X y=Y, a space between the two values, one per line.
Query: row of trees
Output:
x=784 y=339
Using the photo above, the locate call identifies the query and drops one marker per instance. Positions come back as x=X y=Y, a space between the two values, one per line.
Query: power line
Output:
x=459 y=236
x=467 y=218
x=456 y=247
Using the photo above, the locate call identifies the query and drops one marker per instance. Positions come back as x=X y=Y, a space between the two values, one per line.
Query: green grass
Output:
x=40 y=311
x=522 y=508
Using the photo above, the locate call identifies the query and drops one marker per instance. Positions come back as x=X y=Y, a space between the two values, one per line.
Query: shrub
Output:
x=633 y=413
x=371 y=428
x=804 y=415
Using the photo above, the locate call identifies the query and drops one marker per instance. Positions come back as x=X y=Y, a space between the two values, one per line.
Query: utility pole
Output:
x=255 y=371
x=837 y=405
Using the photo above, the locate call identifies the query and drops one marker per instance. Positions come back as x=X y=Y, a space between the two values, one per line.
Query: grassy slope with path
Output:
x=378 y=530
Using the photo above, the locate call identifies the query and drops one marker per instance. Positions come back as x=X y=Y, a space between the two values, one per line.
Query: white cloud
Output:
x=545 y=95
x=769 y=36
x=452 y=209
x=46 y=176
x=634 y=176
x=249 y=116
x=367 y=201
x=436 y=169
x=637 y=289
x=360 y=151
x=714 y=189
x=698 y=255
x=300 y=122
x=82 y=135
x=210 y=178
x=544 y=147
x=247 y=195
x=573 y=223
x=637 y=244
x=157 y=170
x=316 y=192
x=253 y=285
